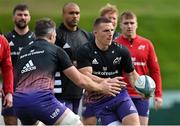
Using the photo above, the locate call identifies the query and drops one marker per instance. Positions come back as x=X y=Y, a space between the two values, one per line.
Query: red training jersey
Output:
x=6 y=65
x=145 y=61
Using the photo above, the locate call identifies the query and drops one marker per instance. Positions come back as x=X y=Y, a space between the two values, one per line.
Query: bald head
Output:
x=69 y=5
x=71 y=16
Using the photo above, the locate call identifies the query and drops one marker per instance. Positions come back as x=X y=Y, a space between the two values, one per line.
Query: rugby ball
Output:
x=145 y=85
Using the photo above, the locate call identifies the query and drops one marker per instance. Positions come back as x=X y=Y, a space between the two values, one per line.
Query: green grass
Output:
x=159 y=20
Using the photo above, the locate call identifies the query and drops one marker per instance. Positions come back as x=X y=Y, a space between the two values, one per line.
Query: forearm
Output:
x=91 y=84
x=132 y=77
x=88 y=72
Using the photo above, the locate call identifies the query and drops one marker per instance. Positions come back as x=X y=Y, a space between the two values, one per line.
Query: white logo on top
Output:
x=28 y=67
x=11 y=43
x=117 y=60
x=141 y=47
x=66 y=46
x=95 y=61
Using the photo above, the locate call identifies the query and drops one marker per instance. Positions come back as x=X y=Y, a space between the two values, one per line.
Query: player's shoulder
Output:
x=3 y=40
x=143 y=39
x=9 y=34
x=118 y=45
x=86 y=47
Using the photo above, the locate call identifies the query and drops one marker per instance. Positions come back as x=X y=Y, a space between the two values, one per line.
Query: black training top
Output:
x=110 y=63
x=17 y=42
x=37 y=64
x=70 y=41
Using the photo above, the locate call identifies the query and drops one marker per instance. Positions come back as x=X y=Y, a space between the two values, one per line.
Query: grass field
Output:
x=159 y=20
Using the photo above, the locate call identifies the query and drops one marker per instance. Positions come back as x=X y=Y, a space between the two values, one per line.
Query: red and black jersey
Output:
x=6 y=65
x=144 y=59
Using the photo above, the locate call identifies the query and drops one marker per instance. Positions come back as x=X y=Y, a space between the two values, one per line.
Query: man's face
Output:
x=104 y=33
x=112 y=17
x=71 y=15
x=21 y=18
x=128 y=27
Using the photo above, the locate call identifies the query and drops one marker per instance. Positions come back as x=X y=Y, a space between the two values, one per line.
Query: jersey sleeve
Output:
x=64 y=60
x=6 y=67
x=154 y=70
x=126 y=60
x=83 y=59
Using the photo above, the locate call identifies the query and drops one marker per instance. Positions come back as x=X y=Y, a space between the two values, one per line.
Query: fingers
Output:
x=7 y=103
x=2 y=92
x=8 y=100
x=157 y=103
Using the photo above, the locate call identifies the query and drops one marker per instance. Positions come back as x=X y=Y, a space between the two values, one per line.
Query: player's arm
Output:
x=7 y=71
x=132 y=77
x=156 y=75
x=88 y=71
x=87 y=83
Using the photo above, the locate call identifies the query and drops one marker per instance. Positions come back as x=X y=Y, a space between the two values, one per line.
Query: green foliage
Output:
x=159 y=20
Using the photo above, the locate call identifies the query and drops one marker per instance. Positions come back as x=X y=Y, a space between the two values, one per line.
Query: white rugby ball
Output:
x=145 y=85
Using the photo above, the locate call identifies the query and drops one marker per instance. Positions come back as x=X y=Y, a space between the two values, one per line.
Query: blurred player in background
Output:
x=18 y=38
x=69 y=37
x=145 y=62
x=7 y=72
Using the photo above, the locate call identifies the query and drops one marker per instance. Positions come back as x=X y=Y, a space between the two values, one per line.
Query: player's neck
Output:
x=101 y=46
x=130 y=38
x=71 y=28
x=21 y=31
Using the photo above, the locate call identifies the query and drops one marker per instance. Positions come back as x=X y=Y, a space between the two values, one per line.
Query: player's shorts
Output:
x=88 y=110
x=72 y=104
x=142 y=106
x=115 y=109
x=7 y=111
x=42 y=106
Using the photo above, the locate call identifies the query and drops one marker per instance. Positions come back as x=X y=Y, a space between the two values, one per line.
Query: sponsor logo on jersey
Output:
x=136 y=63
x=95 y=61
x=28 y=67
x=104 y=73
x=55 y=113
x=117 y=60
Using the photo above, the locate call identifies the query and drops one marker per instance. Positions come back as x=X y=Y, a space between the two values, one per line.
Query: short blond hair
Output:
x=127 y=15
x=108 y=8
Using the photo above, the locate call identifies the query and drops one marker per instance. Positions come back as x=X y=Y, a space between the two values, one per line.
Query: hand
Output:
x=2 y=92
x=8 y=100
x=118 y=80
x=112 y=86
x=158 y=102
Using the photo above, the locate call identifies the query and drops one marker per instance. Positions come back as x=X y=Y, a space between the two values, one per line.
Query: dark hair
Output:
x=100 y=20
x=20 y=7
x=44 y=26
